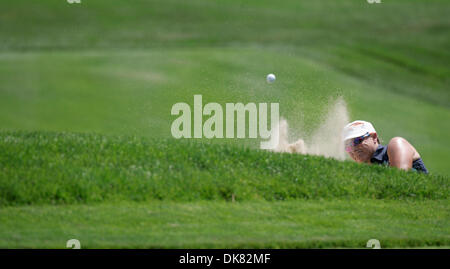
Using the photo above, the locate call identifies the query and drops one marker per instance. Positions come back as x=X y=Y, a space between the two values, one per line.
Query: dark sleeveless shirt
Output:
x=381 y=157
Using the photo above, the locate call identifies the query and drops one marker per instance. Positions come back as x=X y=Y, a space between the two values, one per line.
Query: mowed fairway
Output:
x=116 y=68
x=215 y=224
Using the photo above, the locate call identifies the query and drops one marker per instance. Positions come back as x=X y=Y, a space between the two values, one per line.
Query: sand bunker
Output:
x=326 y=140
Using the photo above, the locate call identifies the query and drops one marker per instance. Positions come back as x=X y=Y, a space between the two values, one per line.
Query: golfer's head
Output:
x=360 y=140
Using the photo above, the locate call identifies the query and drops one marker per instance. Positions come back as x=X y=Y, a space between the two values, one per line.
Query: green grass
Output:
x=66 y=168
x=133 y=93
x=118 y=68
x=129 y=192
x=219 y=224
x=86 y=151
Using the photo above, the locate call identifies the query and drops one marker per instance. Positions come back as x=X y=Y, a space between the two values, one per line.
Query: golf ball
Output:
x=270 y=78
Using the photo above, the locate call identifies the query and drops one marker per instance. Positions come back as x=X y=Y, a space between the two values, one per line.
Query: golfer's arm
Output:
x=400 y=153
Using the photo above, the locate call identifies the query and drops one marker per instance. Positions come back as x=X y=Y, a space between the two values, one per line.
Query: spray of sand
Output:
x=326 y=140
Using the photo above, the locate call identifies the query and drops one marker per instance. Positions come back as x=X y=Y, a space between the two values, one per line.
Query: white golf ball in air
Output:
x=270 y=78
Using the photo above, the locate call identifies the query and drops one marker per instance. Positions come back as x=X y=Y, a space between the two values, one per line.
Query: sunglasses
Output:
x=355 y=142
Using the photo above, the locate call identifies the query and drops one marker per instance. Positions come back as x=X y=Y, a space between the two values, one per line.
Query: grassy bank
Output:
x=65 y=168
x=129 y=192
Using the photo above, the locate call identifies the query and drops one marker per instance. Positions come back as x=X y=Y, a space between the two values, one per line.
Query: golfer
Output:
x=363 y=145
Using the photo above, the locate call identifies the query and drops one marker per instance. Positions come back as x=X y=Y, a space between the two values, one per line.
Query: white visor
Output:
x=357 y=128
